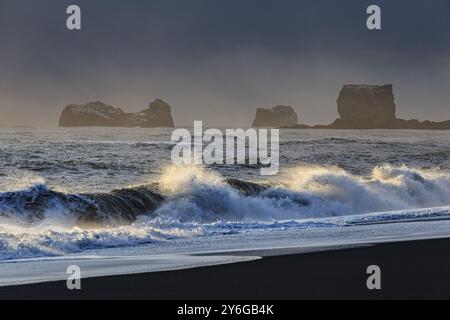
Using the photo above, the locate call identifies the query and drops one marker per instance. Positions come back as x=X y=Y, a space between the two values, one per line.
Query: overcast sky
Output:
x=218 y=60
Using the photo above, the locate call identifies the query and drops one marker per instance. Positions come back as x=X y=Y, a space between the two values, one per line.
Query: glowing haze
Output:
x=217 y=61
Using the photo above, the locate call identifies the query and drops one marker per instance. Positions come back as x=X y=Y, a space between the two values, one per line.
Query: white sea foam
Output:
x=201 y=203
x=303 y=192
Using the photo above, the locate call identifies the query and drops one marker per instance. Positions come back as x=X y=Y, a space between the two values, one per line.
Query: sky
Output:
x=218 y=60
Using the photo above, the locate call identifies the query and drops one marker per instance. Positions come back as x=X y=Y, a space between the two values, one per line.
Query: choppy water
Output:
x=328 y=178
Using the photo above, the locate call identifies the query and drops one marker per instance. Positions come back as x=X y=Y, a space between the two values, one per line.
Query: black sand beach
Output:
x=410 y=270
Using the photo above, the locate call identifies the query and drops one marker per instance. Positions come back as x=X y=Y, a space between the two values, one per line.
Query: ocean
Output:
x=328 y=180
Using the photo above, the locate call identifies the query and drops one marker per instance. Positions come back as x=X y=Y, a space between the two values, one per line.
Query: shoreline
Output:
x=418 y=269
x=331 y=127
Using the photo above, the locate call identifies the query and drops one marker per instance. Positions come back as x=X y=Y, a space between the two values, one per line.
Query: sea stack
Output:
x=366 y=104
x=372 y=107
x=279 y=116
x=103 y=115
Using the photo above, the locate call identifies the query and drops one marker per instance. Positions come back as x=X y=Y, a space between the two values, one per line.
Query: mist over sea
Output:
x=327 y=178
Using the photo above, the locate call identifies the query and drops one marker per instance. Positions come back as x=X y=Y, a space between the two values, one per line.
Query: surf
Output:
x=197 y=194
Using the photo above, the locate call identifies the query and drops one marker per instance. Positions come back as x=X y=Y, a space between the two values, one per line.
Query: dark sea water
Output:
x=327 y=178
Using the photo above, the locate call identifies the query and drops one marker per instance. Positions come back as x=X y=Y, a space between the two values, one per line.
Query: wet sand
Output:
x=409 y=270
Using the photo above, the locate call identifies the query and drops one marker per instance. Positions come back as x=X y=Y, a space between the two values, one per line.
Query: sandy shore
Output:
x=415 y=269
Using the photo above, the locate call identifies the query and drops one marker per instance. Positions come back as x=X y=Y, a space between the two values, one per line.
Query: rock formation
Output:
x=372 y=107
x=367 y=104
x=103 y=115
x=279 y=116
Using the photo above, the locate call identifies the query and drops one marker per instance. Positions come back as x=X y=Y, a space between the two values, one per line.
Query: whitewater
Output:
x=106 y=193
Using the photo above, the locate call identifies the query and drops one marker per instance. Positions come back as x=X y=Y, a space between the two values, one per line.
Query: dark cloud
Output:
x=218 y=60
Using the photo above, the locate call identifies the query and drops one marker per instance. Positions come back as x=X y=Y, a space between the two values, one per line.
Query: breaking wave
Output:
x=196 y=194
x=194 y=201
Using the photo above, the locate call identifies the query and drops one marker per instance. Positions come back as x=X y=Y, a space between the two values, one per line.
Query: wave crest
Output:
x=196 y=194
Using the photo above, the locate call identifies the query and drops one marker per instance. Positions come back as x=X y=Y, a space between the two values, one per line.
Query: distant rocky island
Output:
x=359 y=107
x=372 y=107
x=103 y=115
x=279 y=116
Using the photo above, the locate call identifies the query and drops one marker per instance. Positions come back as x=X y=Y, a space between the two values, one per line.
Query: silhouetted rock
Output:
x=157 y=115
x=365 y=103
x=372 y=107
x=391 y=124
x=279 y=116
x=103 y=115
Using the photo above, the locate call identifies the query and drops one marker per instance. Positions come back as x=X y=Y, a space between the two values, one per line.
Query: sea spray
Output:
x=198 y=194
x=200 y=202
